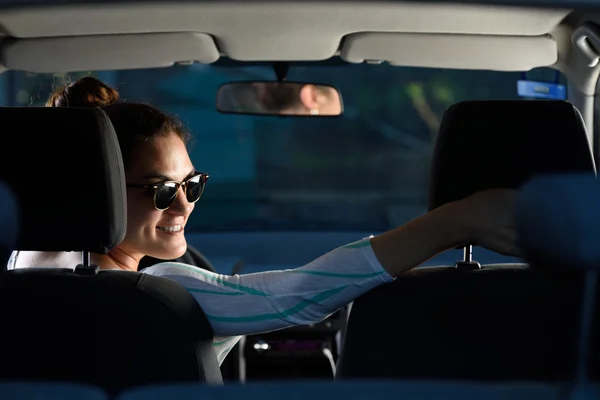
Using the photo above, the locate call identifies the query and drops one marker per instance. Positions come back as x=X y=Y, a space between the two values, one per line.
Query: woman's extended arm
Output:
x=265 y=301
x=253 y=303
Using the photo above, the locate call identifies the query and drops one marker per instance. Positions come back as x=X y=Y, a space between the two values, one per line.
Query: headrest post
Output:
x=468 y=253
x=86 y=267
x=467 y=263
x=85 y=258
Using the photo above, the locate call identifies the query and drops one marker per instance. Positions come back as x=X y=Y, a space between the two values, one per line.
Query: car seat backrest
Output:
x=9 y=215
x=557 y=225
x=501 y=322
x=114 y=329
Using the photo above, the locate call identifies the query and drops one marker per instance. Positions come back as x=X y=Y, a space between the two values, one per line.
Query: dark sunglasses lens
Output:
x=194 y=188
x=166 y=193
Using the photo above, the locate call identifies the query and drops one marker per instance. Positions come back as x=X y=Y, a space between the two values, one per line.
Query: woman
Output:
x=163 y=186
x=289 y=98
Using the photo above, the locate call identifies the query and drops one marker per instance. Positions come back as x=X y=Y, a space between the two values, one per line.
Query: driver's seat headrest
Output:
x=68 y=179
x=503 y=143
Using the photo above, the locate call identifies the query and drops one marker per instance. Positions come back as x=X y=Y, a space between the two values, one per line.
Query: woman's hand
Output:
x=489 y=220
x=486 y=219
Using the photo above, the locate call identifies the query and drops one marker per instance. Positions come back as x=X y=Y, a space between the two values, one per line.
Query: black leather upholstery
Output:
x=70 y=198
x=114 y=329
x=557 y=221
x=501 y=144
x=503 y=322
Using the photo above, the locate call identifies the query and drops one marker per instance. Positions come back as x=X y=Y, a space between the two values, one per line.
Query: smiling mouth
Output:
x=172 y=229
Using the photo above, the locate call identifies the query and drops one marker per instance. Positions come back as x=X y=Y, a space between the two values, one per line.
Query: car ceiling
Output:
x=82 y=36
x=74 y=37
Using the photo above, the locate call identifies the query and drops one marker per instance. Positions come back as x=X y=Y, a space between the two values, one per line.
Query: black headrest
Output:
x=502 y=143
x=557 y=221
x=65 y=167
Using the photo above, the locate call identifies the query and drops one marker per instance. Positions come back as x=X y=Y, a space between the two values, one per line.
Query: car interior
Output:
x=433 y=101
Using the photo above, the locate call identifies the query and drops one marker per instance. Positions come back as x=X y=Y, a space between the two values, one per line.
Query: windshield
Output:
x=365 y=171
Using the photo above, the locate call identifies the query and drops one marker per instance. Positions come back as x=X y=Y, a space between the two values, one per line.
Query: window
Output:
x=365 y=171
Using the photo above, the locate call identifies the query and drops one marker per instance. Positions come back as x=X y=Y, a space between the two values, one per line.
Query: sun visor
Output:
x=500 y=53
x=107 y=52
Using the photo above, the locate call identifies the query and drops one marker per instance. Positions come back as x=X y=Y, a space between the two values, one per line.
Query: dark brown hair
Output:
x=86 y=92
x=134 y=123
x=275 y=97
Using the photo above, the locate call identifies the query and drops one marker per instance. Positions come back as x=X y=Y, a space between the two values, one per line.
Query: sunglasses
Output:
x=166 y=192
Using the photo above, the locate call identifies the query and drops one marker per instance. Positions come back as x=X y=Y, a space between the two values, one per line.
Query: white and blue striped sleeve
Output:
x=266 y=301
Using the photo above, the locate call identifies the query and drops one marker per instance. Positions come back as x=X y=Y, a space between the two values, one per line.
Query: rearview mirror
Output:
x=279 y=98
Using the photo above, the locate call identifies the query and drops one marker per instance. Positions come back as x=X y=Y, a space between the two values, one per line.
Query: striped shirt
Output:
x=238 y=305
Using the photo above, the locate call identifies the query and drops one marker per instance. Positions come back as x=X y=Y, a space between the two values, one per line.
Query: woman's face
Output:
x=151 y=232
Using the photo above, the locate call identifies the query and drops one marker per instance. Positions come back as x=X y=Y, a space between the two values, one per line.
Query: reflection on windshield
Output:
x=366 y=170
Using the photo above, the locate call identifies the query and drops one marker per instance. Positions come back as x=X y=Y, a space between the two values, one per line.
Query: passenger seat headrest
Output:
x=65 y=167
x=558 y=219
x=503 y=143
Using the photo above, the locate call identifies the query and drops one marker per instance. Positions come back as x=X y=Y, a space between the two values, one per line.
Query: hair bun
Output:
x=86 y=92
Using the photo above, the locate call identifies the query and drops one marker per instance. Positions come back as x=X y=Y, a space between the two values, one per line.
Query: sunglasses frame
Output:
x=155 y=186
